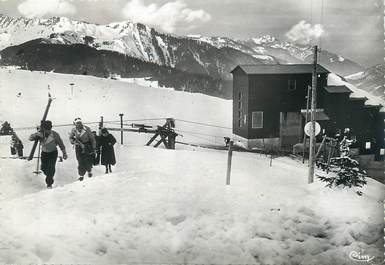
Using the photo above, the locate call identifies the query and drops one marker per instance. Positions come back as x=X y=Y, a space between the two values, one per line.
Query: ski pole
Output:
x=37 y=172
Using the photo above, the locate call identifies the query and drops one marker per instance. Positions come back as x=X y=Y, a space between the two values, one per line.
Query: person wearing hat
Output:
x=107 y=142
x=49 y=139
x=85 y=147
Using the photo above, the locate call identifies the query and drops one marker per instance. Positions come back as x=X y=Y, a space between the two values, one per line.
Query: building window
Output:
x=367 y=145
x=245 y=119
x=291 y=85
x=240 y=118
x=240 y=109
x=382 y=151
x=257 y=119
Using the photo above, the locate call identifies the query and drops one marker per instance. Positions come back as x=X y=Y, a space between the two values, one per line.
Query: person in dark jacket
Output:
x=97 y=141
x=49 y=139
x=107 y=142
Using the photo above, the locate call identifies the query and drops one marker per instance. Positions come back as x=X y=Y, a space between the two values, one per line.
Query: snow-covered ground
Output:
x=168 y=206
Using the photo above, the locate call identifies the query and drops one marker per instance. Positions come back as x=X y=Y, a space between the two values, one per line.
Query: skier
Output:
x=107 y=142
x=16 y=145
x=49 y=139
x=85 y=145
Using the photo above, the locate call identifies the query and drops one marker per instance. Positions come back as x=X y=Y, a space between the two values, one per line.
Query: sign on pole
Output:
x=307 y=128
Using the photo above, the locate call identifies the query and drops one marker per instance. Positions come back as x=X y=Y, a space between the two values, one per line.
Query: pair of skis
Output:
x=36 y=142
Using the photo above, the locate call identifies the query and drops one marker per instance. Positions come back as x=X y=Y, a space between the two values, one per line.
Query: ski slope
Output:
x=167 y=206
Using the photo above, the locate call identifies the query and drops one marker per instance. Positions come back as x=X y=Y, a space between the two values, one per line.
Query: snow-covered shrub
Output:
x=345 y=170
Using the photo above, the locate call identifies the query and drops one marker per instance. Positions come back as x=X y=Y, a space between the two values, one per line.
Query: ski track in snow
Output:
x=167 y=206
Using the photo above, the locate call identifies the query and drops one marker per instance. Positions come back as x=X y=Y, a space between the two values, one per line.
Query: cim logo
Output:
x=360 y=256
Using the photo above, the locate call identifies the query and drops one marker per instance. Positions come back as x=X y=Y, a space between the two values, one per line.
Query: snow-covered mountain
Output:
x=371 y=80
x=214 y=56
x=268 y=47
x=132 y=39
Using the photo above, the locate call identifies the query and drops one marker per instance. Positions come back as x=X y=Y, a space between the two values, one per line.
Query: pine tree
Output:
x=345 y=170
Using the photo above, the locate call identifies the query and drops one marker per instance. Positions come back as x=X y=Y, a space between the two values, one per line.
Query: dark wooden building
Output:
x=269 y=109
x=267 y=102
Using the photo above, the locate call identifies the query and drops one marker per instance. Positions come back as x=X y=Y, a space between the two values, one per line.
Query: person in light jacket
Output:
x=49 y=139
x=85 y=147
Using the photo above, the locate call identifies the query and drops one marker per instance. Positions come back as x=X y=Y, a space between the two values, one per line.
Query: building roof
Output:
x=320 y=115
x=338 y=89
x=265 y=69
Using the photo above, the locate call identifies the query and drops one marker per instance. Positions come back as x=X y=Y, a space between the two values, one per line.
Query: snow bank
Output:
x=169 y=206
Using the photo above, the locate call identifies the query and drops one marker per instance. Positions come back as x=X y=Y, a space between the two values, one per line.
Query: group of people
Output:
x=90 y=149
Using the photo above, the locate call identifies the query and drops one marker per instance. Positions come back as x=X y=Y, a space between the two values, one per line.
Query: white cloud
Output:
x=39 y=8
x=166 y=16
x=304 y=33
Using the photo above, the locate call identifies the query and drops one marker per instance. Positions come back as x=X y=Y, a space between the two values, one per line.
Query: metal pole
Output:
x=312 y=119
x=306 y=120
x=37 y=172
x=230 y=155
x=101 y=122
x=121 y=126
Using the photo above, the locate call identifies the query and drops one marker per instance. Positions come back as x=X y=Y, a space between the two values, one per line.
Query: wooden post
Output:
x=312 y=118
x=307 y=114
x=121 y=126
x=229 y=157
x=319 y=149
x=333 y=144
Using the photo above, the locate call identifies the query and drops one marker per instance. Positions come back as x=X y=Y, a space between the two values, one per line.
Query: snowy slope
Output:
x=371 y=80
x=168 y=206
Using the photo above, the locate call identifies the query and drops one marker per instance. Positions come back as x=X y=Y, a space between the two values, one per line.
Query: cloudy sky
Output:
x=352 y=28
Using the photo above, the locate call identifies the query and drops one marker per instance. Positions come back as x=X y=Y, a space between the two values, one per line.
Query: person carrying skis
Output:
x=85 y=145
x=49 y=139
x=107 y=142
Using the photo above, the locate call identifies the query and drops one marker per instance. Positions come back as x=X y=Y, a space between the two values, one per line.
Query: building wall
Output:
x=240 y=84
x=290 y=129
x=365 y=123
x=374 y=169
x=380 y=136
x=270 y=94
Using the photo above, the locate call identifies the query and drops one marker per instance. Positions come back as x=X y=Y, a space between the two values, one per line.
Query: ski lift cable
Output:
x=196 y=133
x=132 y=120
x=205 y=124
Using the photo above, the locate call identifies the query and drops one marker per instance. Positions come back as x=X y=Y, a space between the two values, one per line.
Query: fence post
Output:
x=229 y=157
x=121 y=126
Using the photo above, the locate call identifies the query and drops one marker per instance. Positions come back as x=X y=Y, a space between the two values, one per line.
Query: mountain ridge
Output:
x=141 y=41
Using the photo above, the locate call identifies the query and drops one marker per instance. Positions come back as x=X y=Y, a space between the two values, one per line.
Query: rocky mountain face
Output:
x=371 y=80
x=210 y=58
x=82 y=59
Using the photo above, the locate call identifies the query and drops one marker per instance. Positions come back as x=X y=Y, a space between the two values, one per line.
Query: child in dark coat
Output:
x=107 y=142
